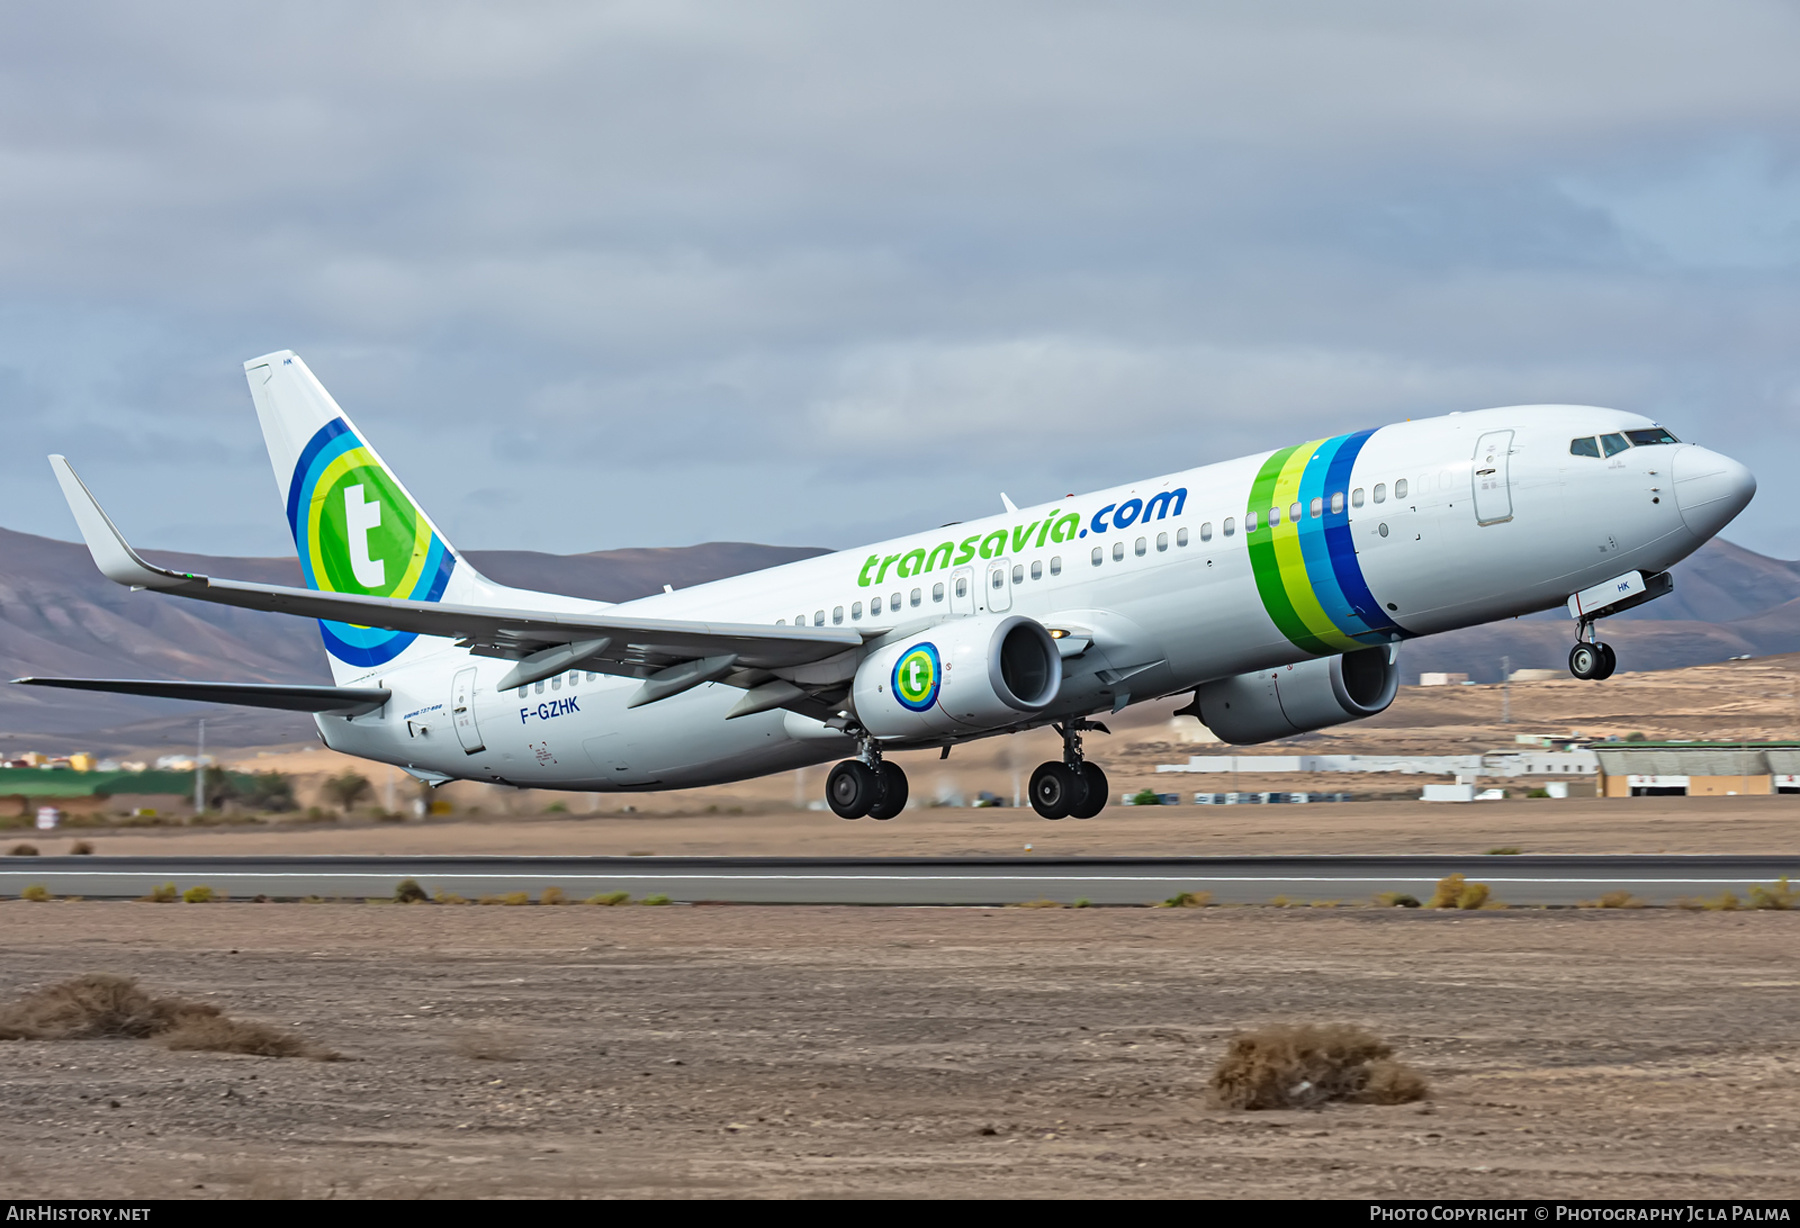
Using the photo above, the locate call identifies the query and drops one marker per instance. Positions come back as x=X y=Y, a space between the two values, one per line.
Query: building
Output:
x=1698 y=769
x=1440 y=679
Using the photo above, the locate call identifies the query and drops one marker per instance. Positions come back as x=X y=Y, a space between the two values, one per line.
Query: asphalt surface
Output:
x=1527 y=879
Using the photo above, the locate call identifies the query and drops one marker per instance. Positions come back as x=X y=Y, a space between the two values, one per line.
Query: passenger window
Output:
x=556 y=683
x=1400 y=489
x=1118 y=552
x=1249 y=524
x=915 y=594
x=1274 y=517
x=1612 y=445
x=524 y=690
x=999 y=580
x=937 y=593
x=799 y=620
x=574 y=676
x=781 y=622
x=1656 y=435
x=1381 y=492
x=1230 y=526
x=1337 y=503
x=1139 y=546
x=1099 y=556
x=962 y=586
x=894 y=602
x=1056 y=564
x=1019 y=572
x=856 y=609
x=1356 y=497
x=1162 y=542
x=1037 y=569
x=1317 y=507
x=818 y=618
x=1205 y=532
x=591 y=677
x=1585 y=446
x=837 y=614
x=875 y=606
x=1294 y=513
x=539 y=689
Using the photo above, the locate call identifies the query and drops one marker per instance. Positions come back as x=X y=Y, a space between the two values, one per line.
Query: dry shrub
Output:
x=1291 y=1066
x=200 y=895
x=22 y=850
x=408 y=891
x=99 y=1006
x=81 y=848
x=1616 y=899
x=1188 y=899
x=553 y=895
x=165 y=894
x=511 y=897
x=1725 y=901
x=654 y=900
x=1038 y=904
x=1397 y=899
x=610 y=899
x=1779 y=896
x=1455 y=891
x=37 y=893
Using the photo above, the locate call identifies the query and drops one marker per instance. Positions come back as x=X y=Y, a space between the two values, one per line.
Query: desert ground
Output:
x=812 y=1052
x=822 y=1052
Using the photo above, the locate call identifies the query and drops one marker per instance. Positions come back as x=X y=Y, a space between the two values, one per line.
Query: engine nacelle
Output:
x=963 y=675
x=1278 y=703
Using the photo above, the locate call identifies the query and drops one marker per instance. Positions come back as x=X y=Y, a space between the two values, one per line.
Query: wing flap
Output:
x=334 y=700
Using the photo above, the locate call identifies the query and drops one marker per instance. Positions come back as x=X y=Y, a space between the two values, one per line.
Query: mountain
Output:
x=58 y=616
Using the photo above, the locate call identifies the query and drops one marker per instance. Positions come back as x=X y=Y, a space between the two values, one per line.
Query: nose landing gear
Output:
x=1590 y=660
x=869 y=785
x=1072 y=787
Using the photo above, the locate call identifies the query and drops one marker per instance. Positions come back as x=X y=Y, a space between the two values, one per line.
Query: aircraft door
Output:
x=462 y=711
x=1493 y=484
x=998 y=593
x=962 y=591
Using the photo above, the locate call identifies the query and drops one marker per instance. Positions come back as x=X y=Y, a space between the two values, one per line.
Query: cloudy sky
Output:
x=596 y=275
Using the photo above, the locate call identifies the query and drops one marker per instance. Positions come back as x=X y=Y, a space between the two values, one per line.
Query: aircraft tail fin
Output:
x=356 y=527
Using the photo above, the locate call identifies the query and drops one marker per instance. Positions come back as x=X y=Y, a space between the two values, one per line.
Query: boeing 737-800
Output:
x=1276 y=588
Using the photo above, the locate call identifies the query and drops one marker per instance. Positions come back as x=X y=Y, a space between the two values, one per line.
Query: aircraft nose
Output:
x=1710 y=489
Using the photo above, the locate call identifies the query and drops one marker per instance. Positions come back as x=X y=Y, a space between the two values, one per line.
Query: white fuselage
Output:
x=1165 y=604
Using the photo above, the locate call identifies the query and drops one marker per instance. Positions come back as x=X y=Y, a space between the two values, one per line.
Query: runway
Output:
x=1520 y=880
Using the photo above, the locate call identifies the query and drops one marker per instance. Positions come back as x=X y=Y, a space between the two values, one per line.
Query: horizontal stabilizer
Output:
x=335 y=700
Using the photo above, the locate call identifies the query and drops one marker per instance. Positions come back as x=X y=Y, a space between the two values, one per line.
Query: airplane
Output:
x=1277 y=588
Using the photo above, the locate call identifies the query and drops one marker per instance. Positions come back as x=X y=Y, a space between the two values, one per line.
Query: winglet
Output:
x=1007 y=503
x=116 y=560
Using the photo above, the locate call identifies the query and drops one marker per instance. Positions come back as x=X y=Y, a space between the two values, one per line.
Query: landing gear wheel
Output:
x=1095 y=801
x=893 y=791
x=1610 y=662
x=1056 y=791
x=1587 y=662
x=851 y=789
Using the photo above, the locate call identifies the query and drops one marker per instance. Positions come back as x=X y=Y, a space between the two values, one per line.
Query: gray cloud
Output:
x=598 y=275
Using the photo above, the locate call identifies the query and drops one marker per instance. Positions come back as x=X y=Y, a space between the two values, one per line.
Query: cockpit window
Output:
x=1654 y=435
x=1584 y=447
x=1613 y=444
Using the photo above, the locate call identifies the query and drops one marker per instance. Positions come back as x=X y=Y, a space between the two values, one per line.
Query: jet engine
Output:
x=960 y=676
x=1278 y=703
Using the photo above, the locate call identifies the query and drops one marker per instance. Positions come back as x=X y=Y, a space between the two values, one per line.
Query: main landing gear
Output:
x=1073 y=786
x=1590 y=660
x=869 y=785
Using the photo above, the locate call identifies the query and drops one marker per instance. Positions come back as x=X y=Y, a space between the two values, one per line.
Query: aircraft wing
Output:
x=544 y=642
x=337 y=700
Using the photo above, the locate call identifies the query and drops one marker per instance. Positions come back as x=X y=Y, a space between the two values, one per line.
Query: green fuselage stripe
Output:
x=1266 y=566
